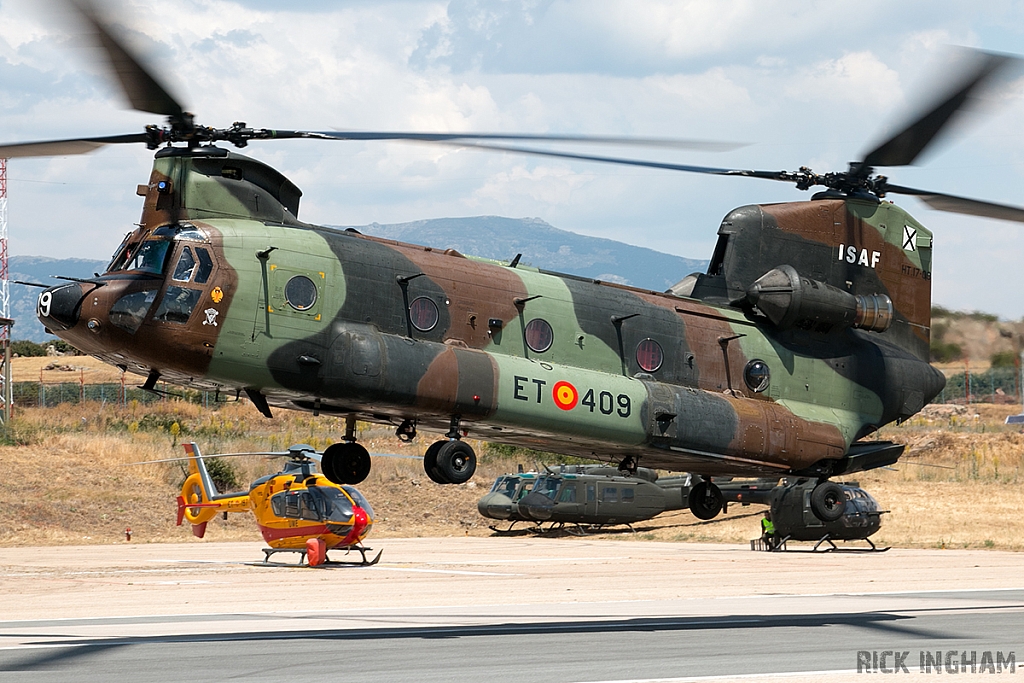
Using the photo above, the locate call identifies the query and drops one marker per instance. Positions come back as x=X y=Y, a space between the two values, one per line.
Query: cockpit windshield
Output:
x=506 y=486
x=547 y=486
x=334 y=505
x=358 y=499
x=148 y=257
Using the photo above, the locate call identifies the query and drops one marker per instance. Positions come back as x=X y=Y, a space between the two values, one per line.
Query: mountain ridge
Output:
x=541 y=245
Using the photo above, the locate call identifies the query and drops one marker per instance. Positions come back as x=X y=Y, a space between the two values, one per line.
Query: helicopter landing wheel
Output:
x=346 y=463
x=705 y=500
x=430 y=463
x=828 y=502
x=456 y=461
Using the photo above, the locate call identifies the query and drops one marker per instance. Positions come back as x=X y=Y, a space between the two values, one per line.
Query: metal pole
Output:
x=1020 y=368
x=5 y=301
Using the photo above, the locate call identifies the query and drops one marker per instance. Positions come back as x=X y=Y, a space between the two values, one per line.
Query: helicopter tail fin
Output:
x=195 y=504
x=832 y=262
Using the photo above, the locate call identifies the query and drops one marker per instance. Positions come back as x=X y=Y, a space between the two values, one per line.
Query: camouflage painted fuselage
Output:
x=341 y=323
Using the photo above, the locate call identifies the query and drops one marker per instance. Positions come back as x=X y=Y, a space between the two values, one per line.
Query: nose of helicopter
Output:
x=495 y=506
x=537 y=507
x=58 y=308
x=360 y=521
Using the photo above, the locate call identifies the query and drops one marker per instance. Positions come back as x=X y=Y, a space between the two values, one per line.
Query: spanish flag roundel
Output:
x=565 y=395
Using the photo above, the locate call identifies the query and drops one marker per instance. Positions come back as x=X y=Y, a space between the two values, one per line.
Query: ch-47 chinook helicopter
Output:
x=808 y=332
x=296 y=509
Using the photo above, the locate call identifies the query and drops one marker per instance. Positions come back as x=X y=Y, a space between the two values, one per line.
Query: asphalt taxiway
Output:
x=498 y=609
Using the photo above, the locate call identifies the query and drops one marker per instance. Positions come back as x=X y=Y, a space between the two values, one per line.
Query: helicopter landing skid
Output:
x=363 y=562
x=836 y=549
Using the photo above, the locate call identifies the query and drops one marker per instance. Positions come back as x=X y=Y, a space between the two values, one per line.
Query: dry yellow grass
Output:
x=69 y=480
x=72 y=369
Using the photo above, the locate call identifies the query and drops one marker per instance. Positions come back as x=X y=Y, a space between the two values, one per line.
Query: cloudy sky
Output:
x=810 y=83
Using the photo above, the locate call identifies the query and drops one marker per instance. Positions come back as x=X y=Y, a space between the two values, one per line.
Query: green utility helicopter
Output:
x=794 y=519
x=596 y=496
x=808 y=332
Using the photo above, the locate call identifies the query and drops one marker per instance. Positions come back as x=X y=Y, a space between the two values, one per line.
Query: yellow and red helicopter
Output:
x=296 y=509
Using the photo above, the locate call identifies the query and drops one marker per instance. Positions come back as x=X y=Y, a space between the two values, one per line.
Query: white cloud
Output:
x=544 y=184
x=808 y=84
x=858 y=78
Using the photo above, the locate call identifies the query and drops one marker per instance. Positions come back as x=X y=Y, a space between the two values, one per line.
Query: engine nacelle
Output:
x=790 y=300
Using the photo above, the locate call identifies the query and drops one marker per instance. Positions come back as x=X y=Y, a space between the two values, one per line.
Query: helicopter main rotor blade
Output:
x=803 y=179
x=905 y=146
x=708 y=170
x=143 y=89
x=676 y=143
x=51 y=148
x=954 y=204
x=205 y=456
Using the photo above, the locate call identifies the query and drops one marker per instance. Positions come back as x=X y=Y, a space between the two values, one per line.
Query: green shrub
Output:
x=945 y=352
x=528 y=457
x=26 y=348
x=1004 y=359
x=224 y=474
x=943 y=312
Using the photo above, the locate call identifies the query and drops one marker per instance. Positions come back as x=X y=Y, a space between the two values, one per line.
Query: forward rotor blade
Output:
x=905 y=146
x=698 y=145
x=56 y=148
x=964 y=205
x=142 y=88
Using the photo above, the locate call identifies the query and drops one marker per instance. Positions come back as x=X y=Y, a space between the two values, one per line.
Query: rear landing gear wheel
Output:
x=345 y=463
x=430 y=463
x=705 y=500
x=456 y=462
x=828 y=502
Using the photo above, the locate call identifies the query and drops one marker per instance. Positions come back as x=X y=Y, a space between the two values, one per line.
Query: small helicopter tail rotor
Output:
x=197 y=491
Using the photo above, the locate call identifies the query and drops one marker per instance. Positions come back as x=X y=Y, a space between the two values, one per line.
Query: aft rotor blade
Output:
x=676 y=143
x=710 y=170
x=964 y=205
x=56 y=148
x=143 y=89
x=905 y=146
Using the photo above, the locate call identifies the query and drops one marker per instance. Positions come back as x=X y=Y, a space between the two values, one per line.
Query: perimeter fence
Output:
x=47 y=394
x=997 y=385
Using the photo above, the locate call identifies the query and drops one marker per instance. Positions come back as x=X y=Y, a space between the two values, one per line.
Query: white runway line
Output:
x=417 y=570
x=732 y=677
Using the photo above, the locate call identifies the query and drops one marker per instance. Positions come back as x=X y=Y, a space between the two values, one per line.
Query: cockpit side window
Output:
x=130 y=310
x=547 y=486
x=524 y=488
x=186 y=266
x=205 y=265
x=120 y=256
x=177 y=305
x=308 y=508
x=277 y=504
x=291 y=505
